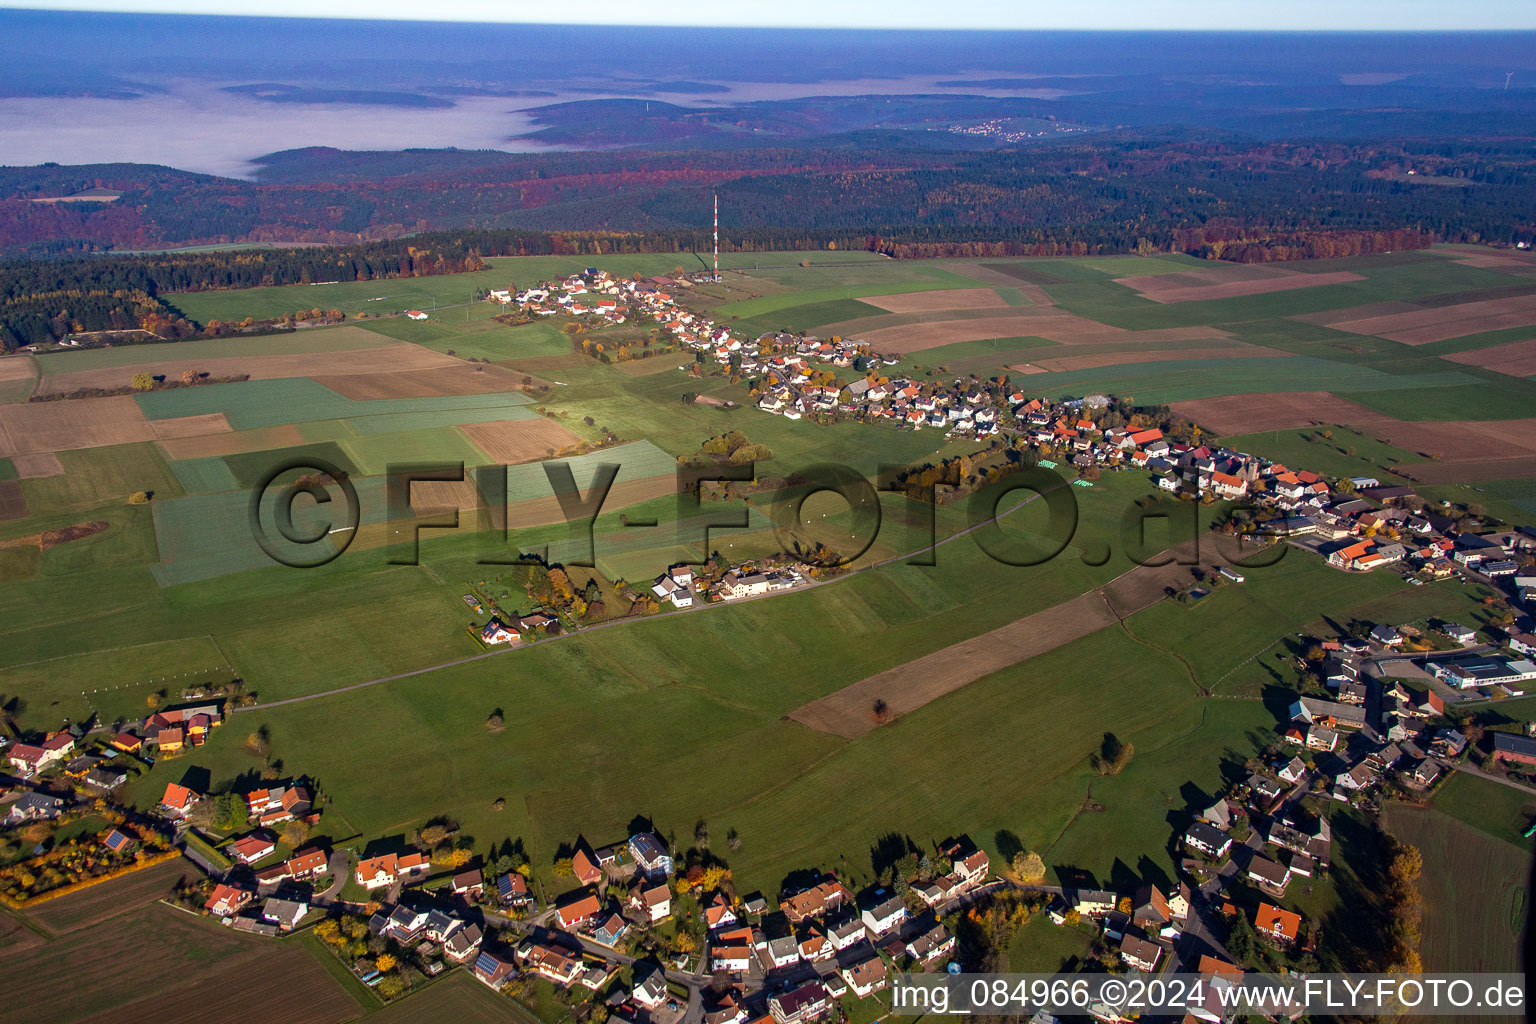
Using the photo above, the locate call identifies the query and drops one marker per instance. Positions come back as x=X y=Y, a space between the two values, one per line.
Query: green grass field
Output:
x=268 y=403
x=297 y=342
x=95 y=478
x=1489 y=807
x=115 y=682
x=1475 y=892
x=805 y=317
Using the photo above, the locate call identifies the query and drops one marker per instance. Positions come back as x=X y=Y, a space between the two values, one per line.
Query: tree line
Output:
x=1103 y=194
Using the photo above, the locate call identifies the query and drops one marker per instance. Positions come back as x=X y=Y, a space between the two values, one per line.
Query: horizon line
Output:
x=852 y=26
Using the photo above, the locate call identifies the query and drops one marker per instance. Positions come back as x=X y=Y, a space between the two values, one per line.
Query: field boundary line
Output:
x=121 y=647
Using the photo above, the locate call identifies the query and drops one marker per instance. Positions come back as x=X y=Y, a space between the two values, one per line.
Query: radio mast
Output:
x=717 y=236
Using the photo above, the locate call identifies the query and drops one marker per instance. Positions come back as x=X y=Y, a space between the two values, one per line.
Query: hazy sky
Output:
x=1396 y=15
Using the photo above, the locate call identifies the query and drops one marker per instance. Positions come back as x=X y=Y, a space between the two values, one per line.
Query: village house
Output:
x=650 y=854
x=1207 y=839
x=777 y=953
x=249 y=849
x=550 y=962
x=1142 y=954
x=32 y=759
x=32 y=807
x=1269 y=876
x=307 y=864
x=286 y=914
x=731 y=951
x=808 y=1002
x=718 y=912
x=227 y=900
x=584 y=866
x=577 y=909
x=650 y=987
x=821 y=899
x=654 y=903
x=463 y=944
x=177 y=801
x=929 y=945
x=884 y=912
x=1282 y=926
x=512 y=890
x=610 y=928
x=107 y=779
x=866 y=977
x=493 y=968
x=467 y=885
x=373 y=872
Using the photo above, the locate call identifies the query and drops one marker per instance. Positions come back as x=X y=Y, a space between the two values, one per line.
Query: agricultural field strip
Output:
x=1089 y=361
x=1421 y=325
x=14 y=367
x=285 y=401
x=905 y=688
x=1163 y=290
x=1452 y=440
x=397 y=357
x=299 y=343
x=1515 y=358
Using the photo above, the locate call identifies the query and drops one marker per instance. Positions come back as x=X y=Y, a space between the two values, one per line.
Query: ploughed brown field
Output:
x=158 y=964
x=444 y=381
x=398 y=357
x=513 y=441
x=17 y=368
x=190 y=426
x=1063 y=328
x=249 y=991
x=561 y=361
x=259 y=439
x=1503 y=260
x=35 y=466
x=1156 y=355
x=928 y=302
x=96 y=903
x=1204 y=285
x=13 y=504
x=1421 y=326
x=653 y=364
x=30 y=427
x=1517 y=358
x=1465 y=449
x=850 y=711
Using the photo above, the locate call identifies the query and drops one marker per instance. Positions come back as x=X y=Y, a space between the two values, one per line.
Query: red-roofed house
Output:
x=250 y=849
x=377 y=871
x=307 y=863
x=178 y=800
x=576 y=911
x=1281 y=925
x=226 y=900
